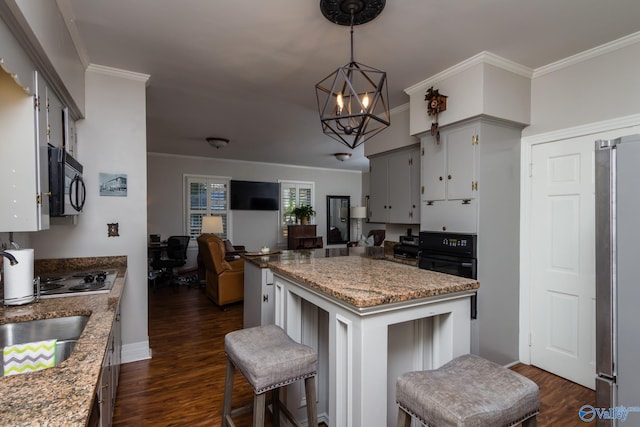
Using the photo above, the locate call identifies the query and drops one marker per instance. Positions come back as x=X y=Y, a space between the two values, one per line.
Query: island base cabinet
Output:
x=258 y=296
x=362 y=352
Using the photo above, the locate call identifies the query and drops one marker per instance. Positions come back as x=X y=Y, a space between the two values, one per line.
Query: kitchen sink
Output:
x=66 y=330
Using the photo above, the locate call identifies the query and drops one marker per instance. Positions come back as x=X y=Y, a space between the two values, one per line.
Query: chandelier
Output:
x=352 y=100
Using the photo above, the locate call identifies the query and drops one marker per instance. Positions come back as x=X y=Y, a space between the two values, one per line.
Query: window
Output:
x=292 y=195
x=206 y=195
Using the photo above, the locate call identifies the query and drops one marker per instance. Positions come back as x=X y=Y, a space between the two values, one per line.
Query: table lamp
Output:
x=358 y=213
x=212 y=225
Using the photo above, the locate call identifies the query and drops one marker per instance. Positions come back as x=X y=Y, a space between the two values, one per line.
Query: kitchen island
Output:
x=356 y=311
x=65 y=395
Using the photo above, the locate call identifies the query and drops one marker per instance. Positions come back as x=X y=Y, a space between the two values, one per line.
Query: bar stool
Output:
x=467 y=391
x=269 y=360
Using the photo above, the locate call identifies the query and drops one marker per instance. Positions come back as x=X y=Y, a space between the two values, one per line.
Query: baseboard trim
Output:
x=136 y=351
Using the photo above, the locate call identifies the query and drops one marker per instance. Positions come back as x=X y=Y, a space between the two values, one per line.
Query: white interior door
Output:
x=562 y=259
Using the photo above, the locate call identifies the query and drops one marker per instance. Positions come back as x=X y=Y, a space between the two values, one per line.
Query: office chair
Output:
x=176 y=256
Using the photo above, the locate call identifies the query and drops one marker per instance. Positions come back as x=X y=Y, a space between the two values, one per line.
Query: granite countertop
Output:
x=363 y=277
x=63 y=395
x=263 y=261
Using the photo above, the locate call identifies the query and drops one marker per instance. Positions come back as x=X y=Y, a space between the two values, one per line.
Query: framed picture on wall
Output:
x=113 y=184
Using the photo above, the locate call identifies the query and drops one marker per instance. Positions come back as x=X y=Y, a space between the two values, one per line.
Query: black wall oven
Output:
x=450 y=253
x=67 y=188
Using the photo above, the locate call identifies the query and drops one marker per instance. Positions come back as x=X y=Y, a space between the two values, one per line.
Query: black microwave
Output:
x=67 y=188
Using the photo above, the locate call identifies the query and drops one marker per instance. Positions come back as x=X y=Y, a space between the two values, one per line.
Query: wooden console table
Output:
x=303 y=237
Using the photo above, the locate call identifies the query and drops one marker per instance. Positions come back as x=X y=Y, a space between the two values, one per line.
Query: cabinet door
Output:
x=105 y=391
x=433 y=169
x=450 y=215
x=415 y=184
x=378 y=190
x=42 y=159
x=461 y=151
x=23 y=161
x=399 y=179
x=403 y=176
x=55 y=119
x=70 y=143
x=268 y=303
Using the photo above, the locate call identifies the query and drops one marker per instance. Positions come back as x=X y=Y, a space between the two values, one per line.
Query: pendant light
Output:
x=353 y=100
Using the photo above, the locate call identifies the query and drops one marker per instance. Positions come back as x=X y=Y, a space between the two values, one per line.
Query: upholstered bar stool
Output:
x=269 y=360
x=467 y=391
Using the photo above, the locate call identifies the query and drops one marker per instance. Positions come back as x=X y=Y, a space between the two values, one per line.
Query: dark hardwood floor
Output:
x=182 y=385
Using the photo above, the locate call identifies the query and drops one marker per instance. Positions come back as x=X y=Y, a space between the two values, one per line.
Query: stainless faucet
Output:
x=12 y=259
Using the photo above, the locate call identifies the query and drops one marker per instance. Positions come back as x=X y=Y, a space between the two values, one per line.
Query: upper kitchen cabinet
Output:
x=23 y=157
x=55 y=116
x=472 y=177
x=448 y=166
x=395 y=187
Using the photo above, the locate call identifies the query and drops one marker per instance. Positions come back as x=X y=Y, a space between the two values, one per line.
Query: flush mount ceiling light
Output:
x=217 y=142
x=352 y=101
x=342 y=156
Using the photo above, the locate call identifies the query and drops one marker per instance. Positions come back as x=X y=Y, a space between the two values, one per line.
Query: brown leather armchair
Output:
x=224 y=279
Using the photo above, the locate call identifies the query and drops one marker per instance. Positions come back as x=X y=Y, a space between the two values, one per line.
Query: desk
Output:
x=346 y=306
x=155 y=250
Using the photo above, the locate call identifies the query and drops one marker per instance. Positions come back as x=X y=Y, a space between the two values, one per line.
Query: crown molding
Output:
x=399 y=109
x=582 y=130
x=116 y=72
x=612 y=46
x=481 y=58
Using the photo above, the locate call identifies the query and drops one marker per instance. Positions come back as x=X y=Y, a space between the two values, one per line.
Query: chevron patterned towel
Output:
x=29 y=357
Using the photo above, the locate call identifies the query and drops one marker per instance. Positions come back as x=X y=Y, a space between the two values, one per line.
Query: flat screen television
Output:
x=254 y=196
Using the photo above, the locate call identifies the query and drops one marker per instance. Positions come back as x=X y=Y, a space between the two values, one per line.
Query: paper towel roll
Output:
x=18 y=279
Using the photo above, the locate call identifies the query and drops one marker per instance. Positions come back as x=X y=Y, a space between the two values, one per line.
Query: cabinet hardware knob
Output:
x=440 y=178
x=466 y=201
x=265 y=298
x=449 y=177
x=429 y=202
x=444 y=228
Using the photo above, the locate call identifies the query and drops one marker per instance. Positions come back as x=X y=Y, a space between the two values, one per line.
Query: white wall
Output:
x=597 y=85
x=111 y=139
x=395 y=136
x=596 y=93
x=253 y=229
x=484 y=84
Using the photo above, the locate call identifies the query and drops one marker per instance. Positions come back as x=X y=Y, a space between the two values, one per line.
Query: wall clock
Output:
x=436 y=103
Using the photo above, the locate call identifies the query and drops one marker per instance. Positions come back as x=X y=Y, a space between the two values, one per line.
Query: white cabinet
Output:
x=469 y=176
x=55 y=116
x=450 y=215
x=23 y=157
x=258 y=296
x=449 y=168
x=70 y=135
x=449 y=182
x=394 y=187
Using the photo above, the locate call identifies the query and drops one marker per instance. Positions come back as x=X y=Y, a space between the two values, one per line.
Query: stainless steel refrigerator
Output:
x=617 y=201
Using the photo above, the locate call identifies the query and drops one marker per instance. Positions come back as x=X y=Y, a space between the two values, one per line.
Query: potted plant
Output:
x=303 y=213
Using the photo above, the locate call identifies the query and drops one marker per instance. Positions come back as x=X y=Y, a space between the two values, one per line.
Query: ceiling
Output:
x=246 y=70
